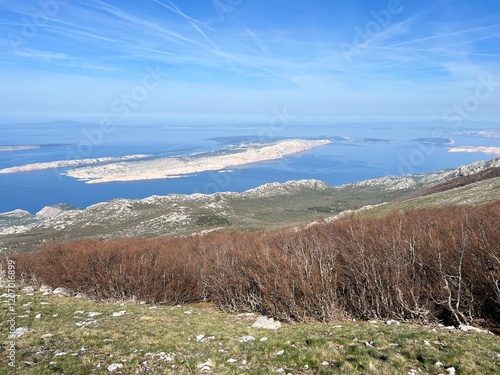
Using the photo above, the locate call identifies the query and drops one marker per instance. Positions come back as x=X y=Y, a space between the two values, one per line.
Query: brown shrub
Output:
x=428 y=264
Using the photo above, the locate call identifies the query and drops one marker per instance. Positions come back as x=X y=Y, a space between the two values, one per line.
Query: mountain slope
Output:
x=267 y=206
x=461 y=181
x=476 y=193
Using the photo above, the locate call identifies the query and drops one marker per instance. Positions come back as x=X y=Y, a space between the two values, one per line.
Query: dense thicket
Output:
x=429 y=264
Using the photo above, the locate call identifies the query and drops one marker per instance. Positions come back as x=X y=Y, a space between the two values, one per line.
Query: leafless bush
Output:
x=428 y=264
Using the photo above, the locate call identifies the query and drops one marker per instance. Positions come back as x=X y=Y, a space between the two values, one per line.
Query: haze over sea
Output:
x=356 y=152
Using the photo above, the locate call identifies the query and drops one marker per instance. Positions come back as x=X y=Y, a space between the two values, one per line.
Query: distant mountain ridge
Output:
x=270 y=205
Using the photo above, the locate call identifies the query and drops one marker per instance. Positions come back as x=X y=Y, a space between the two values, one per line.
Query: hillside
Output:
x=460 y=181
x=76 y=336
x=476 y=193
x=428 y=264
x=390 y=289
x=267 y=206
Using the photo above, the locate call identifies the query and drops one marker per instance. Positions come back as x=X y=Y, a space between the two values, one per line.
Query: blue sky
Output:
x=241 y=59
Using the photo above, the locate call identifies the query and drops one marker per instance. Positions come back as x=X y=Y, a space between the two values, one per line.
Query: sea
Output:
x=358 y=151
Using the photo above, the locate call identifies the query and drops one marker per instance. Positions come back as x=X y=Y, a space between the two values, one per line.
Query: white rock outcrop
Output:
x=266 y=323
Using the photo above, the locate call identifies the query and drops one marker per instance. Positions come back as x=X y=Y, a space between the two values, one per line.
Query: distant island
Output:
x=435 y=141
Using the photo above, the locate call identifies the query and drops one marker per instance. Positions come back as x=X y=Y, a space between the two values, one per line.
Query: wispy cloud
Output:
x=43 y=55
x=260 y=49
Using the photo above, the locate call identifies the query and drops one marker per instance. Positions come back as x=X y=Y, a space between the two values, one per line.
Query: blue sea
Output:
x=359 y=151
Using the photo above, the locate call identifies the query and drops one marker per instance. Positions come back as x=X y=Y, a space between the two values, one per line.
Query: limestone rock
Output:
x=114 y=366
x=266 y=323
x=61 y=292
x=247 y=338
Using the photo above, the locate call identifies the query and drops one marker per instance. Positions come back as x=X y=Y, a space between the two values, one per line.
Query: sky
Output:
x=243 y=59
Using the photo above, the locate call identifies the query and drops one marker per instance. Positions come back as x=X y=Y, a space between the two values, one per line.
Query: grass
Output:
x=477 y=193
x=163 y=339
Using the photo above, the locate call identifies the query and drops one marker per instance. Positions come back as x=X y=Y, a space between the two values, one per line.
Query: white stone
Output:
x=199 y=337
x=281 y=352
x=438 y=364
x=451 y=370
x=247 y=338
x=466 y=328
x=325 y=363
x=263 y=339
x=61 y=292
x=45 y=289
x=18 y=332
x=38 y=316
x=114 y=366
x=28 y=290
x=391 y=322
x=86 y=323
x=205 y=366
x=93 y=313
x=266 y=323
x=119 y=313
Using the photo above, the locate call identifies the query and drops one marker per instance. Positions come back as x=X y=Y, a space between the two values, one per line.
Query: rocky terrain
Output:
x=269 y=205
x=485 y=174
x=58 y=333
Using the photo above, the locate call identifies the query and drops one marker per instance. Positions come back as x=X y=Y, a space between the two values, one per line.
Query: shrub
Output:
x=439 y=264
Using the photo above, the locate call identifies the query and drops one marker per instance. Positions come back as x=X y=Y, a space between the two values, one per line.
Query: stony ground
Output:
x=70 y=335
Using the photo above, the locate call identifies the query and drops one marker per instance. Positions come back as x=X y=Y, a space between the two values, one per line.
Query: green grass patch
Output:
x=69 y=337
